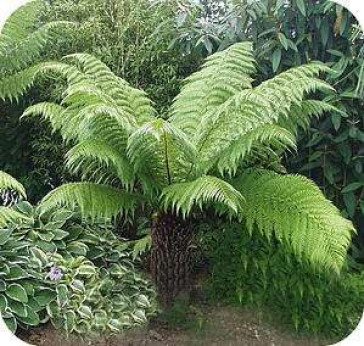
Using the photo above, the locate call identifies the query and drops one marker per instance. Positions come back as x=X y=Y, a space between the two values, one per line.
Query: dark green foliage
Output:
x=252 y=270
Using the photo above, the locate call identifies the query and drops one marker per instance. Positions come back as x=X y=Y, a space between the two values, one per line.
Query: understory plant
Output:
x=79 y=276
x=252 y=270
x=220 y=148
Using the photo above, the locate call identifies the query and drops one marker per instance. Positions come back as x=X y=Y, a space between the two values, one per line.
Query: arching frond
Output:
x=7 y=182
x=92 y=200
x=87 y=156
x=253 y=142
x=295 y=209
x=253 y=108
x=15 y=85
x=10 y=215
x=223 y=75
x=182 y=197
x=49 y=111
x=132 y=102
x=16 y=54
x=301 y=114
x=22 y=21
x=162 y=151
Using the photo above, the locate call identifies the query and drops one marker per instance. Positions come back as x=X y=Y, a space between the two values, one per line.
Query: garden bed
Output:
x=218 y=325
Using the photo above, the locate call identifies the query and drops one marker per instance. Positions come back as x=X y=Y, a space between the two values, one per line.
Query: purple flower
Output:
x=55 y=273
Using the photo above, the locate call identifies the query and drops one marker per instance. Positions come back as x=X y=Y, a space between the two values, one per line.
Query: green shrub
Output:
x=256 y=270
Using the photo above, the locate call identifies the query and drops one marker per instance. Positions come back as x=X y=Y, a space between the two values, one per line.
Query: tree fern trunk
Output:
x=171 y=255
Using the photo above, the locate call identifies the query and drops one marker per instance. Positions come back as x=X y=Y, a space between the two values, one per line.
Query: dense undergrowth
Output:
x=253 y=270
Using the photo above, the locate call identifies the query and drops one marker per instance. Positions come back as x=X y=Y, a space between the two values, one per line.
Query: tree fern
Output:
x=87 y=156
x=22 y=41
x=161 y=150
x=219 y=123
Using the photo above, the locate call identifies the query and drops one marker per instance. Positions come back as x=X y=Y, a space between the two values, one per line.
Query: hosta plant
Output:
x=44 y=273
x=93 y=300
x=220 y=148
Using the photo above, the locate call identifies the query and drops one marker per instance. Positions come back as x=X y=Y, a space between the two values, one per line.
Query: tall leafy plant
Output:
x=221 y=147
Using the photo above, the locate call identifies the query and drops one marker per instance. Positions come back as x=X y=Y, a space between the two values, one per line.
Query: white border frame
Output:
x=356 y=338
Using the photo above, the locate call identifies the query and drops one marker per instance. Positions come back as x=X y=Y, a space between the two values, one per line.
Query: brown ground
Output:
x=213 y=326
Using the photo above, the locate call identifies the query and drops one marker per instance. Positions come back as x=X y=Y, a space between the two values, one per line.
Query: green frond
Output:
x=182 y=197
x=22 y=21
x=9 y=215
x=252 y=143
x=296 y=211
x=7 y=182
x=161 y=151
x=131 y=101
x=301 y=114
x=224 y=74
x=49 y=111
x=92 y=200
x=17 y=54
x=17 y=84
x=250 y=109
x=87 y=156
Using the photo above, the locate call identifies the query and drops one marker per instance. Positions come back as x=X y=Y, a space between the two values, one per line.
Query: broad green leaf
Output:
x=32 y=318
x=3 y=303
x=17 y=308
x=17 y=292
x=276 y=59
x=69 y=321
x=11 y=324
x=45 y=296
x=284 y=42
x=352 y=187
x=62 y=294
x=16 y=273
x=301 y=7
x=350 y=202
x=5 y=235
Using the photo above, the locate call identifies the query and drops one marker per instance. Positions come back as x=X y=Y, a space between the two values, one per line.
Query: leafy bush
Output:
x=81 y=277
x=254 y=269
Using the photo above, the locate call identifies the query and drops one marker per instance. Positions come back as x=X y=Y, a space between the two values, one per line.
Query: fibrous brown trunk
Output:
x=171 y=255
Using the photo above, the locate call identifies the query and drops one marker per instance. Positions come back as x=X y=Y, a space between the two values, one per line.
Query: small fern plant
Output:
x=220 y=147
